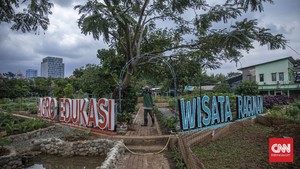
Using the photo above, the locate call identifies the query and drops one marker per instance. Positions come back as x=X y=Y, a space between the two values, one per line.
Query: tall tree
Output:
x=95 y=80
x=33 y=17
x=135 y=28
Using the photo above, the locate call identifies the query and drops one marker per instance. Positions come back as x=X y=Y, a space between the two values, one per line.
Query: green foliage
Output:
x=290 y=112
x=10 y=127
x=33 y=110
x=19 y=106
x=247 y=88
x=15 y=126
x=172 y=102
x=129 y=100
x=297 y=104
x=91 y=80
x=4 y=101
x=41 y=86
x=130 y=30
x=79 y=94
x=166 y=122
x=293 y=112
x=5 y=118
x=13 y=88
x=4 y=142
x=127 y=117
x=171 y=123
x=236 y=149
x=57 y=86
x=68 y=91
x=32 y=18
x=222 y=88
x=178 y=160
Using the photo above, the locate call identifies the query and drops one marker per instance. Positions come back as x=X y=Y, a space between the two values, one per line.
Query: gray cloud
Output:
x=282 y=17
x=63 y=3
x=19 y=51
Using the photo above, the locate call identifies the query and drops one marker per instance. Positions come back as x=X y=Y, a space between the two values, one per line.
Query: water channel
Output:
x=57 y=162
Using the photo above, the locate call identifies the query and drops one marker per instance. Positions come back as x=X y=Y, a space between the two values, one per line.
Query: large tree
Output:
x=181 y=28
x=33 y=16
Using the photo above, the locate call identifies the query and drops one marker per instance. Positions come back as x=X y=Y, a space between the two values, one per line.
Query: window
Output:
x=261 y=77
x=249 y=77
x=281 y=76
x=274 y=77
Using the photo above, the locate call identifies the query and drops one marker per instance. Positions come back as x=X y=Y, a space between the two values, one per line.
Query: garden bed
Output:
x=11 y=125
x=248 y=147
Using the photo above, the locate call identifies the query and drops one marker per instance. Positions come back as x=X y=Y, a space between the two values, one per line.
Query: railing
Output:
x=278 y=86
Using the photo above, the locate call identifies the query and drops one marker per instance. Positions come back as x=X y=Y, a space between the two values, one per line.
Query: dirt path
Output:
x=147 y=148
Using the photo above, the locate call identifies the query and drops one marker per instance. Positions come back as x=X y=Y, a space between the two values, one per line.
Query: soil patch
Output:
x=248 y=148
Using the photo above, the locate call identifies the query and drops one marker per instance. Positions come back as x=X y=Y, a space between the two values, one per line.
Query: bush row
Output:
x=12 y=106
x=270 y=101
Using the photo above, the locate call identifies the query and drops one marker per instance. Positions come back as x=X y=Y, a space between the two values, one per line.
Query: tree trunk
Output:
x=125 y=83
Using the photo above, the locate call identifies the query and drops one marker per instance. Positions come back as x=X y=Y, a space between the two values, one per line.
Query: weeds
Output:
x=178 y=160
x=169 y=123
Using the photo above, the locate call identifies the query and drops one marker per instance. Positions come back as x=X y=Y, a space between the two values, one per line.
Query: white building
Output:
x=52 y=67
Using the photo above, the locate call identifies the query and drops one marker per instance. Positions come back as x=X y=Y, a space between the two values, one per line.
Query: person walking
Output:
x=148 y=106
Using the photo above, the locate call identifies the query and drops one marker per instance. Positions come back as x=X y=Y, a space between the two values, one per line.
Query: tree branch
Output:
x=190 y=46
x=139 y=22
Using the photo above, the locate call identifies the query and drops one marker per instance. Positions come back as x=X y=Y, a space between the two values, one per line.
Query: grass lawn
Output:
x=247 y=148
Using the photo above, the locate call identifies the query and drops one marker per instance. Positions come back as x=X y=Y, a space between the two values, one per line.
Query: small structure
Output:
x=277 y=77
x=155 y=91
x=235 y=81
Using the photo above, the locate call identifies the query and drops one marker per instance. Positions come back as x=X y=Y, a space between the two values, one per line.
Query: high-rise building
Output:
x=19 y=75
x=31 y=73
x=52 y=67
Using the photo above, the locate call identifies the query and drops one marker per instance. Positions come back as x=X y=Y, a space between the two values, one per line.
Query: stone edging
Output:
x=113 y=155
x=11 y=160
x=112 y=149
x=29 y=135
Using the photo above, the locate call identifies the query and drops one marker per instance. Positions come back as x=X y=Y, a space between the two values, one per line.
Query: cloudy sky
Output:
x=19 y=51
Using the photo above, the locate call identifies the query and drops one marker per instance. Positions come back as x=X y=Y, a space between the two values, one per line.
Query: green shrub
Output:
x=10 y=127
x=33 y=110
x=285 y=112
x=130 y=100
x=4 y=100
x=166 y=122
x=293 y=112
x=127 y=117
x=172 y=102
x=247 y=88
x=297 y=104
x=5 y=118
x=14 y=126
x=178 y=160
x=170 y=122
